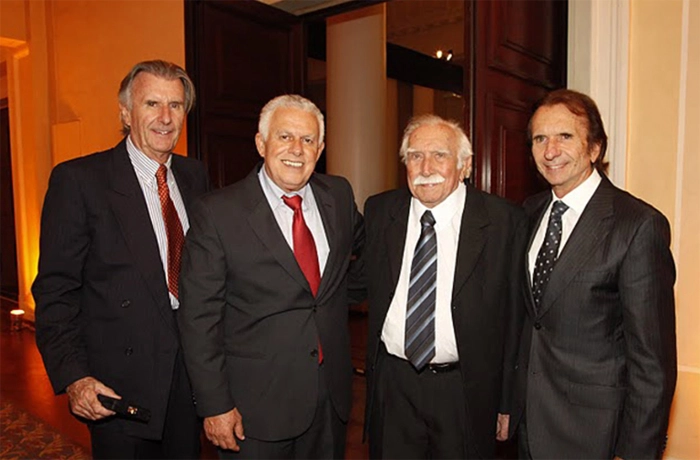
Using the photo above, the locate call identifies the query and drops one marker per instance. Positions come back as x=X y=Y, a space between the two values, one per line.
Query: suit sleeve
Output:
x=515 y=312
x=646 y=279
x=201 y=313
x=64 y=244
x=357 y=291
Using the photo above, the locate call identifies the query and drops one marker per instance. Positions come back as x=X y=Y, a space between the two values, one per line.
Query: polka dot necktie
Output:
x=547 y=256
x=173 y=230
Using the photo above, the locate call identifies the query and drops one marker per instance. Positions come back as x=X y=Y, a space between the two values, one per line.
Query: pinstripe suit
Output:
x=597 y=365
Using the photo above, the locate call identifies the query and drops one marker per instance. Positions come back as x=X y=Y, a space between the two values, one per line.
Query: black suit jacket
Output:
x=249 y=323
x=484 y=310
x=597 y=368
x=102 y=305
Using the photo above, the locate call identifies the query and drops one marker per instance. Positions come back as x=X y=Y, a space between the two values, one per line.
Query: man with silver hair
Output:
x=107 y=290
x=440 y=265
x=264 y=322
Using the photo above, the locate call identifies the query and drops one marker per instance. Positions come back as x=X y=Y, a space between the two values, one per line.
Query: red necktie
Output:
x=305 y=250
x=173 y=229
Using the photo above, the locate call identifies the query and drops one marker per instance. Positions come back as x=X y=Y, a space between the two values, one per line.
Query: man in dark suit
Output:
x=106 y=292
x=264 y=322
x=440 y=270
x=597 y=366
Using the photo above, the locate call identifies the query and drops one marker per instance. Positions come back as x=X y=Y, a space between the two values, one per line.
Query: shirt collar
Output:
x=274 y=193
x=145 y=167
x=578 y=198
x=445 y=211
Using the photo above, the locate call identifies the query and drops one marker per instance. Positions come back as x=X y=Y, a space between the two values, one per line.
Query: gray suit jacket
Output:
x=249 y=323
x=597 y=366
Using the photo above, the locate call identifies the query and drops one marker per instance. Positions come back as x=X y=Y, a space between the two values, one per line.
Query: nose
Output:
x=426 y=166
x=165 y=115
x=296 y=147
x=551 y=149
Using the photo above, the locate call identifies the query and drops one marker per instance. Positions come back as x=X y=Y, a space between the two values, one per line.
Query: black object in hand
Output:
x=127 y=410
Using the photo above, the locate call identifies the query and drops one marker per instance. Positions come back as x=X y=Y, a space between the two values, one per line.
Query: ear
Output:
x=320 y=150
x=260 y=144
x=467 y=168
x=594 y=153
x=125 y=115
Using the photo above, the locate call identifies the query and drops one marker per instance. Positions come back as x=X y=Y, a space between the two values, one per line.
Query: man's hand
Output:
x=220 y=429
x=82 y=395
x=502 y=427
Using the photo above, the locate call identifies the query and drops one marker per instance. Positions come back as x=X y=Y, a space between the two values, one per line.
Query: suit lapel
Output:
x=129 y=207
x=535 y=219
x=472 y=237
x=263 y=223
x=395 y=237
x=590 y=230
x=327 y=209
x=184 y=184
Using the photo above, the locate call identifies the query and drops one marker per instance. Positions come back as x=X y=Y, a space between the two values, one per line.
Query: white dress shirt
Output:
x=145 y=169
x=285 y=216
x=576 y=200
x=448 y=220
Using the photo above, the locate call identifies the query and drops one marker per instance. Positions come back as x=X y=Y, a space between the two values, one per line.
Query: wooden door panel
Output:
x=241 y=54
x=520 y=54
x=527 y=39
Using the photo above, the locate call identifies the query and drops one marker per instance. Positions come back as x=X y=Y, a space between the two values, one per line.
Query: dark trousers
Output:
x=417 y=414
x=325 y=438
x=180 y=433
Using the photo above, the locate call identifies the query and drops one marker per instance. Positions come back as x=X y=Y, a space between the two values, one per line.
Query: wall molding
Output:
x=598 y=61
x=680 y=152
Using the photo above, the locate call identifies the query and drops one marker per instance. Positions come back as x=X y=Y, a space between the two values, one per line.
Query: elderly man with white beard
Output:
x=440 y=267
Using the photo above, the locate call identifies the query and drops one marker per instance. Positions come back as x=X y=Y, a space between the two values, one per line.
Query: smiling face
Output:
x=292 y=147
x=560 y=148
x=432 y=164
x=155 y=115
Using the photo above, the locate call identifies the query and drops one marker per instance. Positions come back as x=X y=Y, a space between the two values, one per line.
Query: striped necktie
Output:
x=420 y=313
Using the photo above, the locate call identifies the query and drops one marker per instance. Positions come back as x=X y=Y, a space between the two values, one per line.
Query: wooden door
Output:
x=520 y=55
x=240 y=55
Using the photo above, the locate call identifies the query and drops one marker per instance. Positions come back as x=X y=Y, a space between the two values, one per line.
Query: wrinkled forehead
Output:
x=432 y=138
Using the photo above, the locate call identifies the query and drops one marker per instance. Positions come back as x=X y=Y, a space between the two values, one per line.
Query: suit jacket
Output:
x=250 y=325
x=597 y=368
x=102 y=304
x=484 y=309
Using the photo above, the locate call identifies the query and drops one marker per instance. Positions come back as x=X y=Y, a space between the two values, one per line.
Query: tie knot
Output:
x=559 y=208
x=293 y=201
x=427 y=219
x=161 y=175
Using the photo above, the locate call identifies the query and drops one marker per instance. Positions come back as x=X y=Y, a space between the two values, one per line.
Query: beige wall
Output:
x=65 y=59
x=663 y=167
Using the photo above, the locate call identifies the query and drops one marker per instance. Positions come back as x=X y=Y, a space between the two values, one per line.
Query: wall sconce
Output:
x=444 y=56
x=16 y=318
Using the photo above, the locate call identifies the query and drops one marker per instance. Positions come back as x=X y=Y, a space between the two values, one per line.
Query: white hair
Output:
x=289 y=101
x=464 y=147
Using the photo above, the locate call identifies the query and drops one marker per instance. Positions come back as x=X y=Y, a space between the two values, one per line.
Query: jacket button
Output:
x=126 y=303
x=538 y=326
x=129 y=351
x=314 y=353
x=314 y=309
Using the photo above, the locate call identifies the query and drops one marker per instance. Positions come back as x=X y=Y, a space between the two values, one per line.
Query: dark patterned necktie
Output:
x=549 y=251
x=420 y=313
x=173 y=230
x=305 y=250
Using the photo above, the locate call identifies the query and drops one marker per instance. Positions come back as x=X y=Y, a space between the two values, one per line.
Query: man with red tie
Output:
x=107 y=290
x=264 y=287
